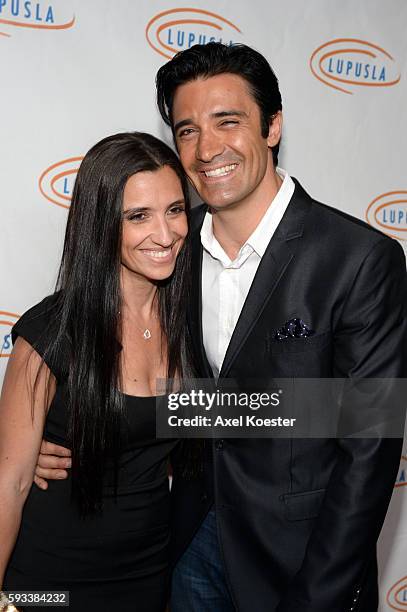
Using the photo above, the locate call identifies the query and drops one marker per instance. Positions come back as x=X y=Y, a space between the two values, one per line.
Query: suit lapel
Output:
x=195 y=315
x=272 y=268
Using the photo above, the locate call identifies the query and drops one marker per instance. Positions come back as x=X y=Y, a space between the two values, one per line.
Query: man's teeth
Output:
x=220 y=171
x=158 y=254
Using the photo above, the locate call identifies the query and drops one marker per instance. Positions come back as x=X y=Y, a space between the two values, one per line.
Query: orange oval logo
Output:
x=39 y=15
x=7 y=320
x=56 y=182
x=397 y=595
x=348 y=63
x=180 y=28
x=388 y=213
x=402 y=475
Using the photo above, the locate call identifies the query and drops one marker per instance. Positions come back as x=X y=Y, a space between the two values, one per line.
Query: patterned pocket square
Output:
x=294 y=328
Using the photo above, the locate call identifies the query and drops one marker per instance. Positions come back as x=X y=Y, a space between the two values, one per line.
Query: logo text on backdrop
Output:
x=57 y=181
x=388 y=213
x=397 y=595
x=180 y=28
x=47 y=15
x=7 y=320
x=402 y=473
x=347 y=64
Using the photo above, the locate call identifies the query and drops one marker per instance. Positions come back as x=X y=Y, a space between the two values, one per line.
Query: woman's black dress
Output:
x=117 y=559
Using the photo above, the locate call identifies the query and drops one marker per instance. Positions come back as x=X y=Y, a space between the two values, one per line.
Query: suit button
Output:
x=204 y=498
x=219 y=444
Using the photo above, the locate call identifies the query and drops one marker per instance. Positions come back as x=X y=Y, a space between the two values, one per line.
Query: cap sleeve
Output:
x=38 y=326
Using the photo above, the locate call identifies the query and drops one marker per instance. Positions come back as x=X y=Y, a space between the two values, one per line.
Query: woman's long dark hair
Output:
x=89 y=303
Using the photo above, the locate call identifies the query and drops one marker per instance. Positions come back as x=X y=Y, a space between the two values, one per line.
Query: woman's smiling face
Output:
x=154 y=223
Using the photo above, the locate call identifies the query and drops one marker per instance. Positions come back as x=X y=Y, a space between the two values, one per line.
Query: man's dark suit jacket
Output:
x=299 y=518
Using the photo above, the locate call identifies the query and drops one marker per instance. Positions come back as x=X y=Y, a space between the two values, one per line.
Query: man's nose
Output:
x=209 y=146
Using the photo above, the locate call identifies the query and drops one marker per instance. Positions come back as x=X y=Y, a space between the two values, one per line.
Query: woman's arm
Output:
x=28 y=389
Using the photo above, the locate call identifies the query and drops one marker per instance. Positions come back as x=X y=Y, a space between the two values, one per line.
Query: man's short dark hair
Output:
x=203 y=61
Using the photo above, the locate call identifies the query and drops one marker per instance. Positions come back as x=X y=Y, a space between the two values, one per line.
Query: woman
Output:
x=83 y=374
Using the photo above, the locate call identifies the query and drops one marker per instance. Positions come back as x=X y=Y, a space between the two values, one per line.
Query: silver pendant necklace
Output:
x=146 y=334
x=145 y=331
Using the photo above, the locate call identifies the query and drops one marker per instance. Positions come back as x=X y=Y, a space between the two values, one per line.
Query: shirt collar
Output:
x=264 y=231
x=268 y=224
x=210 y=243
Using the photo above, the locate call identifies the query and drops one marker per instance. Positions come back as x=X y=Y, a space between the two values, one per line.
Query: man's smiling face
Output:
x=218 y=136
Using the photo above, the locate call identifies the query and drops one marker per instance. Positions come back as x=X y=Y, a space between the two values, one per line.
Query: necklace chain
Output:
x=145 y=331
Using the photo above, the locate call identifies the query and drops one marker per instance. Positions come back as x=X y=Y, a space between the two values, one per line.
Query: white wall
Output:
x=72 y=72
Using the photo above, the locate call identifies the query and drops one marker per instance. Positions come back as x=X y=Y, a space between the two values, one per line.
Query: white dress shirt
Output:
x=226 y=283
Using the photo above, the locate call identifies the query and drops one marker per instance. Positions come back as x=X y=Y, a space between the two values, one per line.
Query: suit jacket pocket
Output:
x=299 y=345
x=302 y=506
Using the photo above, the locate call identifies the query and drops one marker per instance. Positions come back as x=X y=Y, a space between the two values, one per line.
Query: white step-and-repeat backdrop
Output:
x=72 y=72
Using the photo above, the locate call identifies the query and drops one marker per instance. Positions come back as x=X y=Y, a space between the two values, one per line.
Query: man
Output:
x=276 y=525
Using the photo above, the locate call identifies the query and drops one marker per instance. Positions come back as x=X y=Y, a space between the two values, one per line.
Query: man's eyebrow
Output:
x=181 y=124
x=218 y=115
x=228 y=113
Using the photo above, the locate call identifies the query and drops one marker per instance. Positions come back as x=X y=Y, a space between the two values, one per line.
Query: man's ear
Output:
x=275 y=129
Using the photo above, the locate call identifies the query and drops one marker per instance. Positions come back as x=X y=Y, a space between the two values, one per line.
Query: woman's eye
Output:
x=137 y=217
x=176 y=210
